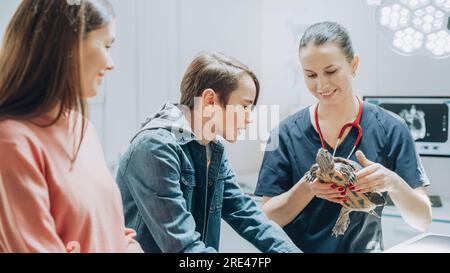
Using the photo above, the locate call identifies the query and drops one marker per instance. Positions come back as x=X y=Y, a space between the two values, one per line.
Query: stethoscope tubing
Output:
x=356 y=123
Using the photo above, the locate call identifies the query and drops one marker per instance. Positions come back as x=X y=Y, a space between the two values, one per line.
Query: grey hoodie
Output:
x=170 y=117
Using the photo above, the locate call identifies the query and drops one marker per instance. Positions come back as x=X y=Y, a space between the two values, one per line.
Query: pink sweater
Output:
x=45 y=206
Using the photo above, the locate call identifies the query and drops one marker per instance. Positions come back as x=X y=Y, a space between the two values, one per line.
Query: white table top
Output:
x=423 y=243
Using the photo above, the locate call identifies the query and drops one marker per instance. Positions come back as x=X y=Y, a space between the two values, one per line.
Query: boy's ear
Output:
x=208 y=97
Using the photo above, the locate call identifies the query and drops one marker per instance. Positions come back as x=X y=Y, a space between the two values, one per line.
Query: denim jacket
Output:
x=175 y=203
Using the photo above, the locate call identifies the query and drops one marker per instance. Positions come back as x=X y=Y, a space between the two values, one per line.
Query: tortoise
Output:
x=341 y=172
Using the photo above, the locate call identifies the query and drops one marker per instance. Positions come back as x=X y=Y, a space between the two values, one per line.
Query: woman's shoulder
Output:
x=16 y=131
x=38 y=130
x=18 y=142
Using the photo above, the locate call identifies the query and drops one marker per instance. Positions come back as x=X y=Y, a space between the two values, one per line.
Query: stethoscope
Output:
x=356 y=123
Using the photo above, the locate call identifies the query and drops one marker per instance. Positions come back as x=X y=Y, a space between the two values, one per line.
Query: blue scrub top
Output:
x=386 y=140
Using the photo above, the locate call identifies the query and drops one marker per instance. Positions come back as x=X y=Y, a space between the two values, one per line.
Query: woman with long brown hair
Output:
x=56 y=192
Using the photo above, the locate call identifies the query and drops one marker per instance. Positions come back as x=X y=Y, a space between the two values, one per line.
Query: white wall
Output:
x=7 y=8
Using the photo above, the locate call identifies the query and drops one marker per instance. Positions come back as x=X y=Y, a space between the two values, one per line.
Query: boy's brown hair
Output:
x=214 y=71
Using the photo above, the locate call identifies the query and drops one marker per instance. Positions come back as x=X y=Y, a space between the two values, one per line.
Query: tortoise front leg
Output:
x=311 y=175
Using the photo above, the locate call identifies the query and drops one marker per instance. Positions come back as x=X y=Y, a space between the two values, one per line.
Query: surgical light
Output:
x=416 y=27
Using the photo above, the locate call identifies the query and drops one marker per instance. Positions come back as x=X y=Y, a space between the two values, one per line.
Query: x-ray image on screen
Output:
x=427 y=122
x=426 y=117
x=416 y=122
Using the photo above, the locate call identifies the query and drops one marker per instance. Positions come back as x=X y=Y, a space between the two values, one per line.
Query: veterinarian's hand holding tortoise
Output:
x=346 y=175
x=375 y=177
x=372 y=177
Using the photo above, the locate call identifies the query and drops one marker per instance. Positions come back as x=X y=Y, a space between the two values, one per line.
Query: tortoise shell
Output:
x=342 y=172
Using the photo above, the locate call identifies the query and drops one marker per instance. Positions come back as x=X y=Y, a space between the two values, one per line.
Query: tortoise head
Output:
x=325 y=160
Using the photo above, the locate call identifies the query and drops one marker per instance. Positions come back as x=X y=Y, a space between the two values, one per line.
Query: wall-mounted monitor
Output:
x=427 y=118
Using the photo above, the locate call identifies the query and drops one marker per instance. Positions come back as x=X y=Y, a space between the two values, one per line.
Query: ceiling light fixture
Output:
x=416 y=27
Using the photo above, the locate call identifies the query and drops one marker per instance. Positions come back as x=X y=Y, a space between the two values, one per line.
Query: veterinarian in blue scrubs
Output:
x=386 y=152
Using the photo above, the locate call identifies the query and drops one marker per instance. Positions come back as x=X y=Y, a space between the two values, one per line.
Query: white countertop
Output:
x=423 y=243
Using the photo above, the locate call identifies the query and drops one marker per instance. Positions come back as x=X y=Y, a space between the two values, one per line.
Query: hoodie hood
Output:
x=170 y=118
